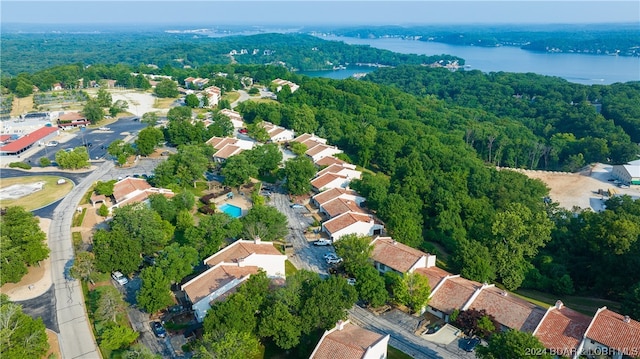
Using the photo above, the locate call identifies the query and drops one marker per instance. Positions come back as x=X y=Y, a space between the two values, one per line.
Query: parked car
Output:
x=104 y=128
x=329 y=255
x=470 y=344
x=158 y=329
x=52 y=144
x=296 y=206
x=337 y=260
x=243 y=131
x=119 y=277
x=322 y=242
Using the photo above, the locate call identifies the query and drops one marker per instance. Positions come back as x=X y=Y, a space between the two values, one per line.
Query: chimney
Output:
x=340 y=325
x=626 y=319
x=256 y=240
x=559 y=304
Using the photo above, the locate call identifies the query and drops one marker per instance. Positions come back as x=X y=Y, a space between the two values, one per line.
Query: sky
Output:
x=332 y=12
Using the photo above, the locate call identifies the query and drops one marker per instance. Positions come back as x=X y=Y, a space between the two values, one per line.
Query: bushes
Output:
x=24 y=166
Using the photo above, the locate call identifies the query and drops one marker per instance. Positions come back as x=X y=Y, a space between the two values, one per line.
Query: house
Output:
x=195 y=83
x=134 y=190
x=25 y=142
x=320 y=151
x=341 y=170
x=389 y=254
x=330 y=160
x=614 y=335
x=562 y=330
x=235 y=117
x=352 y=223
x=277 y=133
x=510 y=311
x=251 y=253
x=627 y=174
x=305 y=136
x=347 y=340
x=230 y=267
x=227 y=147
x=57 y=87
x=213 y=94
x=451 y=293
x=339 y=206
x=216 y=283
x=331 y=194
x=280 y=83
x=329 y=181
x=72 y=120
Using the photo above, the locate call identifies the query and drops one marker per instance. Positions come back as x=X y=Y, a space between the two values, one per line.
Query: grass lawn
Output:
x=78 y=218
x=51 y=192
x=393 y=353
x=231 y=96
x=289 y=268
x=585 y=305
x=21 y=105
x=260 y=99
x=163 y=103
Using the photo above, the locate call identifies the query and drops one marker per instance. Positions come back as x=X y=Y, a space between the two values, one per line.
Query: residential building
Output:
x=72 y=120
x=562 y=330
x=214 y=94
x=339 y=206
x=280 y=83
x=277 y=133
x=321 y=151
x=389 y=254
x=334 y=193
x=612 y=335
x=306 y=136
x=341 y=170
x=330 y=160
x=235 y=117
x=227 y=147
x=195 y=83
x=352 y=223
x=451 y=293
x=510 y=311
x=347 y=340
x=57 y=87
x=329 y=181
x=134 y=190
x=229 y=267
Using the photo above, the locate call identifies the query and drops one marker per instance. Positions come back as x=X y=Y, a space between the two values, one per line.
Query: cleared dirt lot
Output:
x=572 y=190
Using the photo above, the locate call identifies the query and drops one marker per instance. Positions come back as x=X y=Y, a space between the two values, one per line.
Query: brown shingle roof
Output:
x=302 y=138
x=334 y=168
x=349 y=343
x=345 y=220
x=331 y=194
x=214 y=279
x=227 y=151
x=71 y=116
x=312 y=151
x=220 y=142
x=125 y=187
x=562 y=329
x=340 y=205
x=312 y=144
x=329 y=160
x=434 y=274
x=453 y=294
x=394 y=254
x=510 y=311
x=325 y=179
x=609 y=328
x=239 y=250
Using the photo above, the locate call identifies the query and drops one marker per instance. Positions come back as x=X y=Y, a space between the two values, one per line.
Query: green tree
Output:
x=148 y=139
x=513 y=344
x=165 y=207
x=155 y=292
x=76 y=159
x=281 y=325
x=631 y=302
x=84 y=266
x=103 y=98
x=192 y=101
x=116 y=250
x=328 y=302
x=221 y=126
x=12 y=265
x=20 y=335
x=45 y=162
x=474 y=261
x=355 y=250
x=413 y=291
x=166 y=88
x=265 y=222
x=237 y=170
x=179 y=113
x=109 y=304
x=105 y=188
x=298 y=148
x=370 y=285
x=143 y=225
x=228 y=344
x=120 y=150
x=23 y=240
x=103 y=210
x=299 y=172
x=150 y=118
x=176 y=261
x=92 y=111
x=266 y=158
x=117 y=337
x=183 y=168
x=476 y=322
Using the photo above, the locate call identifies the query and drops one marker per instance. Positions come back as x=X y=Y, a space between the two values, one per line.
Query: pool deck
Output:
x=238 y=200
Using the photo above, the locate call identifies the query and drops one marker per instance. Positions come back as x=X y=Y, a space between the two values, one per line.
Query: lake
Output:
x=578 y=68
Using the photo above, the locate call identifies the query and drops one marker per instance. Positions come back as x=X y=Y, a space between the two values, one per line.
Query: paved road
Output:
x=43 y=307
x=403 y=339
x=76 y=336
x=244 y=96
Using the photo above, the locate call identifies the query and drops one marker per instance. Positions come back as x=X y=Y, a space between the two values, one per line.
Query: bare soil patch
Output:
x=21 y=105
x=51 y=192
x=54 y=345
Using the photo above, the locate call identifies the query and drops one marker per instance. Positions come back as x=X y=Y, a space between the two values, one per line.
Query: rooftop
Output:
x=28 y=139
x=434 y=274
x=349 y=343
x=453 y=294
x=333 y=193
x=340 y=205
x=241 y=249
x=394 y=254
x=125 y=187
x=345 y=220
x=320 y=182
x=615 y=331
x=215 y=278
x=510 y=311
x=562 y=329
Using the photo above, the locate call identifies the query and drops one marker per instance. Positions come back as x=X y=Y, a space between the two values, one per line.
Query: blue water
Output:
x=578 y=68
x=339 y=74
x=233 y=211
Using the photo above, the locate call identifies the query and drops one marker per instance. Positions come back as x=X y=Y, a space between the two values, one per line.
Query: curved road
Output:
x=76 y=336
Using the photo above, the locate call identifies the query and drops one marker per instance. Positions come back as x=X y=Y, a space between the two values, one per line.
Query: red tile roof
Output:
x=329 y=160
x=320 y=182
x=71 y=116
x=28 y=140
x=510 y=311
x=215 y=278
x=609 y=328
x=317 y=149
x=241 y=249
x=434 y=274
x=340 y=205
x=334 y=168
x=394 y=254
x=453 y=294
x=227 y=151
x=127 y=186
x=345 y=220
x=333 y=193
x=562 y=329
x=349 y=343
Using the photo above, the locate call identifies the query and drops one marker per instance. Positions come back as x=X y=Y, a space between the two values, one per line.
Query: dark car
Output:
x=470 y=344
x=158 y=329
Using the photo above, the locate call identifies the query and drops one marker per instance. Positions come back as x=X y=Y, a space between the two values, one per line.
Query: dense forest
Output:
x=599 y=39
x=31 y=52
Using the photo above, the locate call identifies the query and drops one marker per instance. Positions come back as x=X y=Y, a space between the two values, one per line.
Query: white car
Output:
x=322 y=242
x=52 y=144
x=104 y=129
x=119 y=277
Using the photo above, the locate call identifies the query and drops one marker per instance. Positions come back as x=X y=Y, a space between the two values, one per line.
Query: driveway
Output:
x=305 y=254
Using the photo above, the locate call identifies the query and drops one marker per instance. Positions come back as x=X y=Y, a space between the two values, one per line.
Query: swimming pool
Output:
x=233 y=211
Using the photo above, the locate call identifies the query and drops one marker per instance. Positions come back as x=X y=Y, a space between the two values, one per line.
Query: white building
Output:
x=235 y=117
x=352 y=223
x=277 y=133
x=347 y=340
